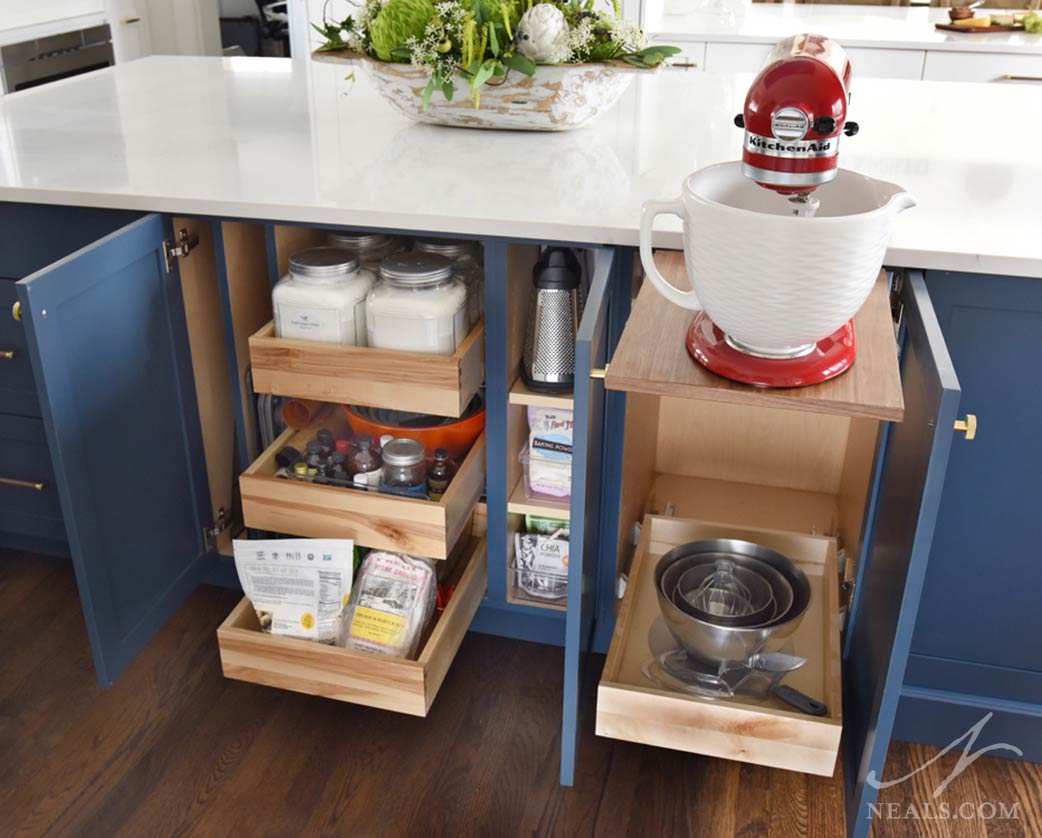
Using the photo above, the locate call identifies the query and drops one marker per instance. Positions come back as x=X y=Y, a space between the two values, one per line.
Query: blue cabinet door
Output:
x=109 y=348
x=591 y=347
x=893 y=563
x=976 y=607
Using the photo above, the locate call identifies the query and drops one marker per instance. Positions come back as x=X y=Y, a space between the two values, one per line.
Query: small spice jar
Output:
x=419 y=305
x=404 y=468
x=467 y=260
x=370 y=248
x=322 y=298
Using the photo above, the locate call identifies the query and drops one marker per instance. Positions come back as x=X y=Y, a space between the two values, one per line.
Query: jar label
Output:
x=300 y=323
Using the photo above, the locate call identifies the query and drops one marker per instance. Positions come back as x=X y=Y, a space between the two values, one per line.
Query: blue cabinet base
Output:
x=34 y=544
x=939 y=718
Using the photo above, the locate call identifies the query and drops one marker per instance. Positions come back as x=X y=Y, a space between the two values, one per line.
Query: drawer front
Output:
x=29 y=502
x=17 y=388
x=403 y=686
x=633 y=707
x=981 y=67
x=440 y=384
x=421 y=527
x=735 y=58
x=886 y=63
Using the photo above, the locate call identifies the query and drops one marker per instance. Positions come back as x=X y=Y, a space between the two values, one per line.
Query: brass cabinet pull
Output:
x=128 y=20
x=1015 y=77
x=6 y=354
x=598 y=374
x=16 y=311
x=22 y=484
x=967 y=426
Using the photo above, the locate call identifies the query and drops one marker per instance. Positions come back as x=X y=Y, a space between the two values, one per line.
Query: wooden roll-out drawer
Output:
x=413 y=381
x=421 y=527
x=632 y=707
x=404 y=686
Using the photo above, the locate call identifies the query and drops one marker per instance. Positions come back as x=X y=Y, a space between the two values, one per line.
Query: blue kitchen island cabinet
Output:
x=149 y=419
x=976 y=647
x=857 y=462
x=31 y=237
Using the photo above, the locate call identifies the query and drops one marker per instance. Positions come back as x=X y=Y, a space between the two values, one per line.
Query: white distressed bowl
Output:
x=775 y=283
x=558 y=97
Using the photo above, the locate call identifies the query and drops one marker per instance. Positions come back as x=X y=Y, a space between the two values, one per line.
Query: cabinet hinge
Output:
x=211 y=533
x=186 y=243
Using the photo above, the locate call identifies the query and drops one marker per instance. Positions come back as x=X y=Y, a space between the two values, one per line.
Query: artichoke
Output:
x=398 y=21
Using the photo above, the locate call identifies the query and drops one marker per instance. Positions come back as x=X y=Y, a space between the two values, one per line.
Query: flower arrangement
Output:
x=480 y=40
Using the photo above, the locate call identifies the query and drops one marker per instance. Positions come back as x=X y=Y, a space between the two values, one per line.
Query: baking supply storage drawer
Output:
x=28 y=497
x=421 y=527
x=633 y=707
x=17 y=389
x=413 y=381
x=404 y=686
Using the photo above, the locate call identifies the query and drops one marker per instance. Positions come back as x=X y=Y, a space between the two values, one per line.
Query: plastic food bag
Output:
x=393 y=599
x=298 y=586
x=550 y=451
x=542 y=565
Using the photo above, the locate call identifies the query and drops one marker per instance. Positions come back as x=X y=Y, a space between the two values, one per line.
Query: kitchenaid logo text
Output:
x=772 y=147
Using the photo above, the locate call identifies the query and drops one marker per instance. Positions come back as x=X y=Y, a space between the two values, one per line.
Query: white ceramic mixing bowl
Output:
x=776 y=284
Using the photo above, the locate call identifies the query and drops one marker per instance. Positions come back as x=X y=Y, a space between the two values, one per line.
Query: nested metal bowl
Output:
x=713 y=643
x=693 y=570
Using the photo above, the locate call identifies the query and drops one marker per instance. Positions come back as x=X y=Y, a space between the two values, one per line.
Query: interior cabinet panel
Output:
x=213 y=390
x=768 y=446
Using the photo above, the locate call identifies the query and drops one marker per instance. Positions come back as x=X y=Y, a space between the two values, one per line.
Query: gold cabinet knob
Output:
x=967 y=426
x=7 y=354
x=16 y=311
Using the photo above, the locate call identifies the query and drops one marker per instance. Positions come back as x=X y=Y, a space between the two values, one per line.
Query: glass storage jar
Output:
x=419 y=305
x=322 y=298
x=467 y=259
x=404 y=468
x=370 y=248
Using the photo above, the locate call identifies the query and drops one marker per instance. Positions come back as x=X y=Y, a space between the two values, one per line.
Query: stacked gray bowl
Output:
x=713 y=638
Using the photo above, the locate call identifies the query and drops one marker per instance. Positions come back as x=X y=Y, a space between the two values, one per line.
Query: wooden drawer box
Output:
x=413 y=381
x=422 y=527
x=404 y=686
x=632 y=707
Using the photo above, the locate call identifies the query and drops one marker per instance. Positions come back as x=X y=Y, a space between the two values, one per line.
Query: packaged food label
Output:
x=306 y=323
x=298 y=587
x=379 y=627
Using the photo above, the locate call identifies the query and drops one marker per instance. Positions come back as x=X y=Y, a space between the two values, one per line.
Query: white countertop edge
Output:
x=967 y=44
x=480 y=227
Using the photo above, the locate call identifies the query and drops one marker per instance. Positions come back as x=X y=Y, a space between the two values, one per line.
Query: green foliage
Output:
x=476 y=39
x=397 y=21
x=1033 y=23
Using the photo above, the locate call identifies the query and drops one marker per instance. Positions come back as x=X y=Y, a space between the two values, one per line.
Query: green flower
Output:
x=398 y=21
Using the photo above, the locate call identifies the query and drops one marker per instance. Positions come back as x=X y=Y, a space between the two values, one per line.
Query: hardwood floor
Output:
x=174 y=749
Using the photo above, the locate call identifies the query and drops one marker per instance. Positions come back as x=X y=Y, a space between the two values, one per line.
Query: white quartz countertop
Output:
x=891 y=27
x=294 y=141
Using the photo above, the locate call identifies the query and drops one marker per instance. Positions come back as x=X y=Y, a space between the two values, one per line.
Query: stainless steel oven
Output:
x=43 y=60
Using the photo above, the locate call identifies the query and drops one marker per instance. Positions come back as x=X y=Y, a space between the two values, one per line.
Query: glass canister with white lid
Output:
x=370 y=248
x=419 y=305
x=323 y=297
x=468 y=262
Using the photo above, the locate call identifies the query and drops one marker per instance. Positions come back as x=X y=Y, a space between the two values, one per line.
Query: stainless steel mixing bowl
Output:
x=684 y=576
x=713 y=643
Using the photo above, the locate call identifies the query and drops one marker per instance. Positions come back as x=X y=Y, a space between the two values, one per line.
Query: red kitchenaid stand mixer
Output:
x=795 y=112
